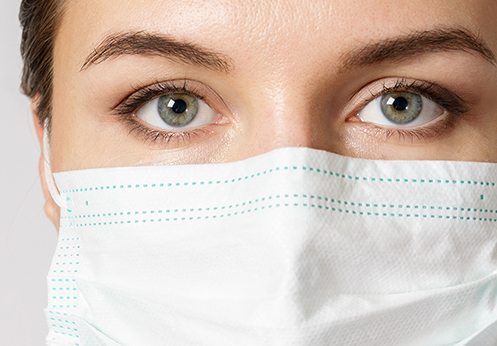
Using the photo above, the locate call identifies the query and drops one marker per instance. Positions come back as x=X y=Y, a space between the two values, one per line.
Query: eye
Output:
x=400 y=109
x=176 y=111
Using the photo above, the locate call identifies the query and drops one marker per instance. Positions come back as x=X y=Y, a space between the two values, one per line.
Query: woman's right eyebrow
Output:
x=143 y=43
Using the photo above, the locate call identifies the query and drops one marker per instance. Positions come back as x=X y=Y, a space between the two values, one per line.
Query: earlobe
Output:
x=51 y=209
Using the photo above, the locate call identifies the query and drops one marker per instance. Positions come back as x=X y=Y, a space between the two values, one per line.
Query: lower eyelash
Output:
x=151 y=135
x=424 y=133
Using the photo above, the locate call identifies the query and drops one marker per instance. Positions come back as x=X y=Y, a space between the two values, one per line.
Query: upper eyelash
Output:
x=144 y=94
x=445 y=98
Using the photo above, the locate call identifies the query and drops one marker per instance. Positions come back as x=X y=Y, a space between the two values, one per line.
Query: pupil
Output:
x=179 y=106
x=400 y=104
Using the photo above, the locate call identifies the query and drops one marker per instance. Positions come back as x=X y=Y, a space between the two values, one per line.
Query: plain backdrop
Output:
x=27 y=238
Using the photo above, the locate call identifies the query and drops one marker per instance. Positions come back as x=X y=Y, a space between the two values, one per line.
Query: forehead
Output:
x=268 y=31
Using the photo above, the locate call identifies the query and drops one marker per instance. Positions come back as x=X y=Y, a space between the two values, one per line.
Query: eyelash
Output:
x=446 y=99
x=126 y=109
x=449 y=101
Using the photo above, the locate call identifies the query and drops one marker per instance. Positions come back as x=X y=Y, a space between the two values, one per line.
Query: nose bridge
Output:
x=292 y=118
x=286 y=80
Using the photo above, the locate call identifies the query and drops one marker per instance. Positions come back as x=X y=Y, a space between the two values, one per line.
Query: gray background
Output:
x=27 y=238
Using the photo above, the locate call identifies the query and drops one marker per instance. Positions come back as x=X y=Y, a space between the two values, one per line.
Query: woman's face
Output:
x=163 y=82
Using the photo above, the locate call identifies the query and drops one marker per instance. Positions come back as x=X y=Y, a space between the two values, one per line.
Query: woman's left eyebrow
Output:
x=143 y=43
x=414 y=44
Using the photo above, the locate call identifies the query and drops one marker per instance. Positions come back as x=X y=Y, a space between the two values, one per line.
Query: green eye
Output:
x=177 y=110
x=401 y=107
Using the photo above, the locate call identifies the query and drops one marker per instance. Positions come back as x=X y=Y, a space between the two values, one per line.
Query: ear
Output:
x=51 y=209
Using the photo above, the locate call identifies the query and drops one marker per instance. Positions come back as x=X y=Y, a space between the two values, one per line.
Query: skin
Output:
x=287 y=86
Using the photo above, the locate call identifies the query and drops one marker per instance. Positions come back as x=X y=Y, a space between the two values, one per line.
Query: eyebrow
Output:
x=143 y=43
x=420 y=42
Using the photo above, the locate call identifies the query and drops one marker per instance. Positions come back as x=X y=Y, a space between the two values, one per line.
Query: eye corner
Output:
x=353 y=118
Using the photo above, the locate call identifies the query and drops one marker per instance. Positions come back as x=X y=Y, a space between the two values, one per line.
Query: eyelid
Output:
x=448 y=100
x=144 y=94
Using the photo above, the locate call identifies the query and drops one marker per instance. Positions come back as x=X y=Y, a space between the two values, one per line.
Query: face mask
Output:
x=293 y=247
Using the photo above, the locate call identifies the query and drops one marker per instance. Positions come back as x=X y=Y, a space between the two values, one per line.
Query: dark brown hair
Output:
x=39 y=20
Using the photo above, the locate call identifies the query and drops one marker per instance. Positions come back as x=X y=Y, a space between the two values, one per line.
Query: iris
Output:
x=401 y=107
x=178 y=110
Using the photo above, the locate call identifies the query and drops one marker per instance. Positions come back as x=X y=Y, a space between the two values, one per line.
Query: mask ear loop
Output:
x=52 y=187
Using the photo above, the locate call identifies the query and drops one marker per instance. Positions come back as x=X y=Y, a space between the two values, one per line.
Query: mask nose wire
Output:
x=49 y=178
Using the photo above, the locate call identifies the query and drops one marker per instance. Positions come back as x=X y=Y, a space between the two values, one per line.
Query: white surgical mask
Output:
x=293 y=247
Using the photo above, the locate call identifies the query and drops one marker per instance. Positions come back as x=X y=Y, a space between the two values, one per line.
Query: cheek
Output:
x=464 y=143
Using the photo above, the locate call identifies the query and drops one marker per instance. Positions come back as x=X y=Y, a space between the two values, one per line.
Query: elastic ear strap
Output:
x=52 y=187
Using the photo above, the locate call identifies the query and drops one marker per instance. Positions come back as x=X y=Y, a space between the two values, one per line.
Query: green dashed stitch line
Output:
x=368 y=205
x=340 y=210
x=304 y=168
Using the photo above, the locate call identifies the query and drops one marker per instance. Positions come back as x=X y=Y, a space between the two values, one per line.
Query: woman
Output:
x=227 y=172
